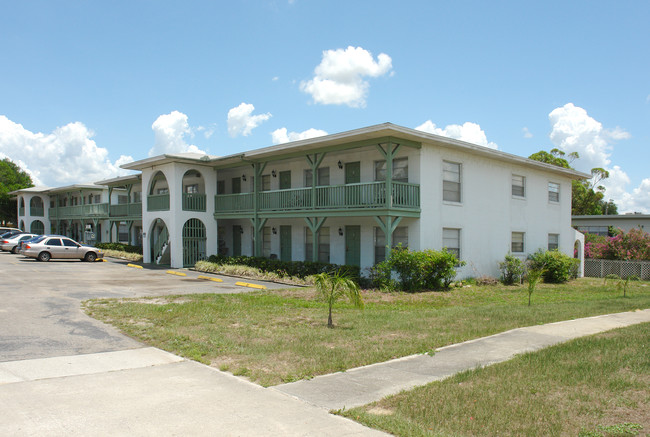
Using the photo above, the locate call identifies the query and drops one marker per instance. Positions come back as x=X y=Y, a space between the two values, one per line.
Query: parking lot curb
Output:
x=171 y=272
x=207 y=278
x=135 y=266
x=246 y=284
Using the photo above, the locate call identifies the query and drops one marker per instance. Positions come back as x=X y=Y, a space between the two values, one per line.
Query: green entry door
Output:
x=285 y=180
x=352 y=172
x=353 y=245
x=236 y=240
x=285 y=243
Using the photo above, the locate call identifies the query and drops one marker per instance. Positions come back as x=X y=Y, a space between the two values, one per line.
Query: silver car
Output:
x=11 y=244
x=57 y=247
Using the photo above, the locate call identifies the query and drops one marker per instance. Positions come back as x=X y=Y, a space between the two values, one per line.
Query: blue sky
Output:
x=86 y=86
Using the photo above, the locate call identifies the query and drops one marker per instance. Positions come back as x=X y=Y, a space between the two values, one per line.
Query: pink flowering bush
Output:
x=633 y=245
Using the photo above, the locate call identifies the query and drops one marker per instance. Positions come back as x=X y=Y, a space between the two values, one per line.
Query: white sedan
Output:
x=11 y=244
x=58 y=247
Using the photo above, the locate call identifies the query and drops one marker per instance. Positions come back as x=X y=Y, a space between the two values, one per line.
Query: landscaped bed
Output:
x=590 y=387
x=274 y=337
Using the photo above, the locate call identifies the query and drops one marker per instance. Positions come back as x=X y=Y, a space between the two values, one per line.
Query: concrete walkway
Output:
x=371 y=383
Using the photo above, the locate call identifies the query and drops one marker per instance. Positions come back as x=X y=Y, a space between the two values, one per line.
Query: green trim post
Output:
x=314 y=225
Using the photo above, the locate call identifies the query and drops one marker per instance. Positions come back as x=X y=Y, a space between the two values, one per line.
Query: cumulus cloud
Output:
x=68 y=155
x=170 y=131
x=241 y=120
x=573 y=130
x=468 y=132
x=280 y=136
x=340 y=77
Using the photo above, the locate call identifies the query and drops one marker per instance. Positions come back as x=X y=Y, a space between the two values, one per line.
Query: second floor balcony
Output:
x=93 y=210
x=127 y=210
x=340 y=198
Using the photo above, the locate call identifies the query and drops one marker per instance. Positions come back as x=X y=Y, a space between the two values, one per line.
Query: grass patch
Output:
x=594 y=386
x=274 y=337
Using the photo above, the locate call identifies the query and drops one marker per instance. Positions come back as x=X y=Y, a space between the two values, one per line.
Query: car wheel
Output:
x=44 y=256
x=91 y=257
x=14 y=250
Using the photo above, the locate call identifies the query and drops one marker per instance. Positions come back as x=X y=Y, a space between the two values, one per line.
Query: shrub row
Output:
x=556 y=267
x=119 y=246
x=415 y=271
x=299 y=269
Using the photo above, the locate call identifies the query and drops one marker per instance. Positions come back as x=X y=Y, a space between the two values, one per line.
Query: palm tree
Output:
x=332 y=286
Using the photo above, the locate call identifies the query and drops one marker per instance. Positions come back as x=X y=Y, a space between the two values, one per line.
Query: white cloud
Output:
x=527 y=133
x=339 y=78
x=242 y=122
x=573 y=130
x=68 y=155
x=280 y=136
x=468 y=132
x=170 y=131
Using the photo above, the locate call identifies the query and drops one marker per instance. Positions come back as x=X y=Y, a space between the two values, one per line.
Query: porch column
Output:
x=258 y=168
x=389 y=154
x=388 y=227
x=314 y=225
x=314 y=162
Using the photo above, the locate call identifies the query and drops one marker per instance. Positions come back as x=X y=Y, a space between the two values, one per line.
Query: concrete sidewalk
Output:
x=371 y=383
x=149 y=392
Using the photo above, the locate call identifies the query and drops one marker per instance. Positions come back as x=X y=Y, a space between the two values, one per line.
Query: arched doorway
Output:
x=158 y=198
x=37 y=227
x=36 y=207
x=159 y=243
x=194 y=237
x=193 y=187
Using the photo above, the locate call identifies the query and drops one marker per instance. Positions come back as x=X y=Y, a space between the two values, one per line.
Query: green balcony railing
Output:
x=158 y=202
x=193 y=202
x=94 y=210
x=36 y=211
x=127 y=210
x=21 y=211
x=362 y=195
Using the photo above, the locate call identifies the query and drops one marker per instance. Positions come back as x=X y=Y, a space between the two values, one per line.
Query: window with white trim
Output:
x=322 y=179
x=518 y=186
x=553 y=192
x=400 y=170
x=266 y=182
x=323 y=245
x=266 y=242
x=451 y=181
x=517 y=242
x=553 y=241
x=400 y=236
x=451 y=240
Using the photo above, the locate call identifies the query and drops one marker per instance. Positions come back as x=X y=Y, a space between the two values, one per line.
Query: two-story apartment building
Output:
x=349 y=197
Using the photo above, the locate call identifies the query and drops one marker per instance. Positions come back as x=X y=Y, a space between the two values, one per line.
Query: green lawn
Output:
x=589 y=387
x=274 y=337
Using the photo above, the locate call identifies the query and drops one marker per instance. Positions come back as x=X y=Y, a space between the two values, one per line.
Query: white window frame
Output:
x=556 y=243
x=522 y=186
x=323 y=244
x=448 y=180
x=553 y=191
x=449 y=237
x=400 y=235
x=523 y=241
x=399 y=165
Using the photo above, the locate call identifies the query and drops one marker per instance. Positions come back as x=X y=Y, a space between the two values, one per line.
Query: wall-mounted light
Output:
x=341 y=232
x=274 y=174
x=340 y=165
x=243 y=177
x=275 y=231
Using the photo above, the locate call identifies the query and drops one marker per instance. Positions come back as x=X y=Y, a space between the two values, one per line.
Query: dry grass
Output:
x=281 y=336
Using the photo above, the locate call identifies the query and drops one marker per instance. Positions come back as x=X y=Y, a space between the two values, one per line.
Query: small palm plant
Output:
x=334 y=285
x=533 y=276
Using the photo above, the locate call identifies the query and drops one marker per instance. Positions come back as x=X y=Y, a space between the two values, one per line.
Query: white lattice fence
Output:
x=599 y=268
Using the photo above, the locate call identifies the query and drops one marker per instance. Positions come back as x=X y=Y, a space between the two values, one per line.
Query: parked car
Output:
x=35 y=239
x=11 y=244
x=5 y=230
x=56 y=247
x=9 y=234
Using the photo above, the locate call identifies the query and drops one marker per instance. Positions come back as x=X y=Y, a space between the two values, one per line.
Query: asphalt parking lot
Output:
x=40 y=314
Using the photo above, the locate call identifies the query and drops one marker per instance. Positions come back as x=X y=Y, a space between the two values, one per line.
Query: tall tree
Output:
x=587 y=195
x=12 y=178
